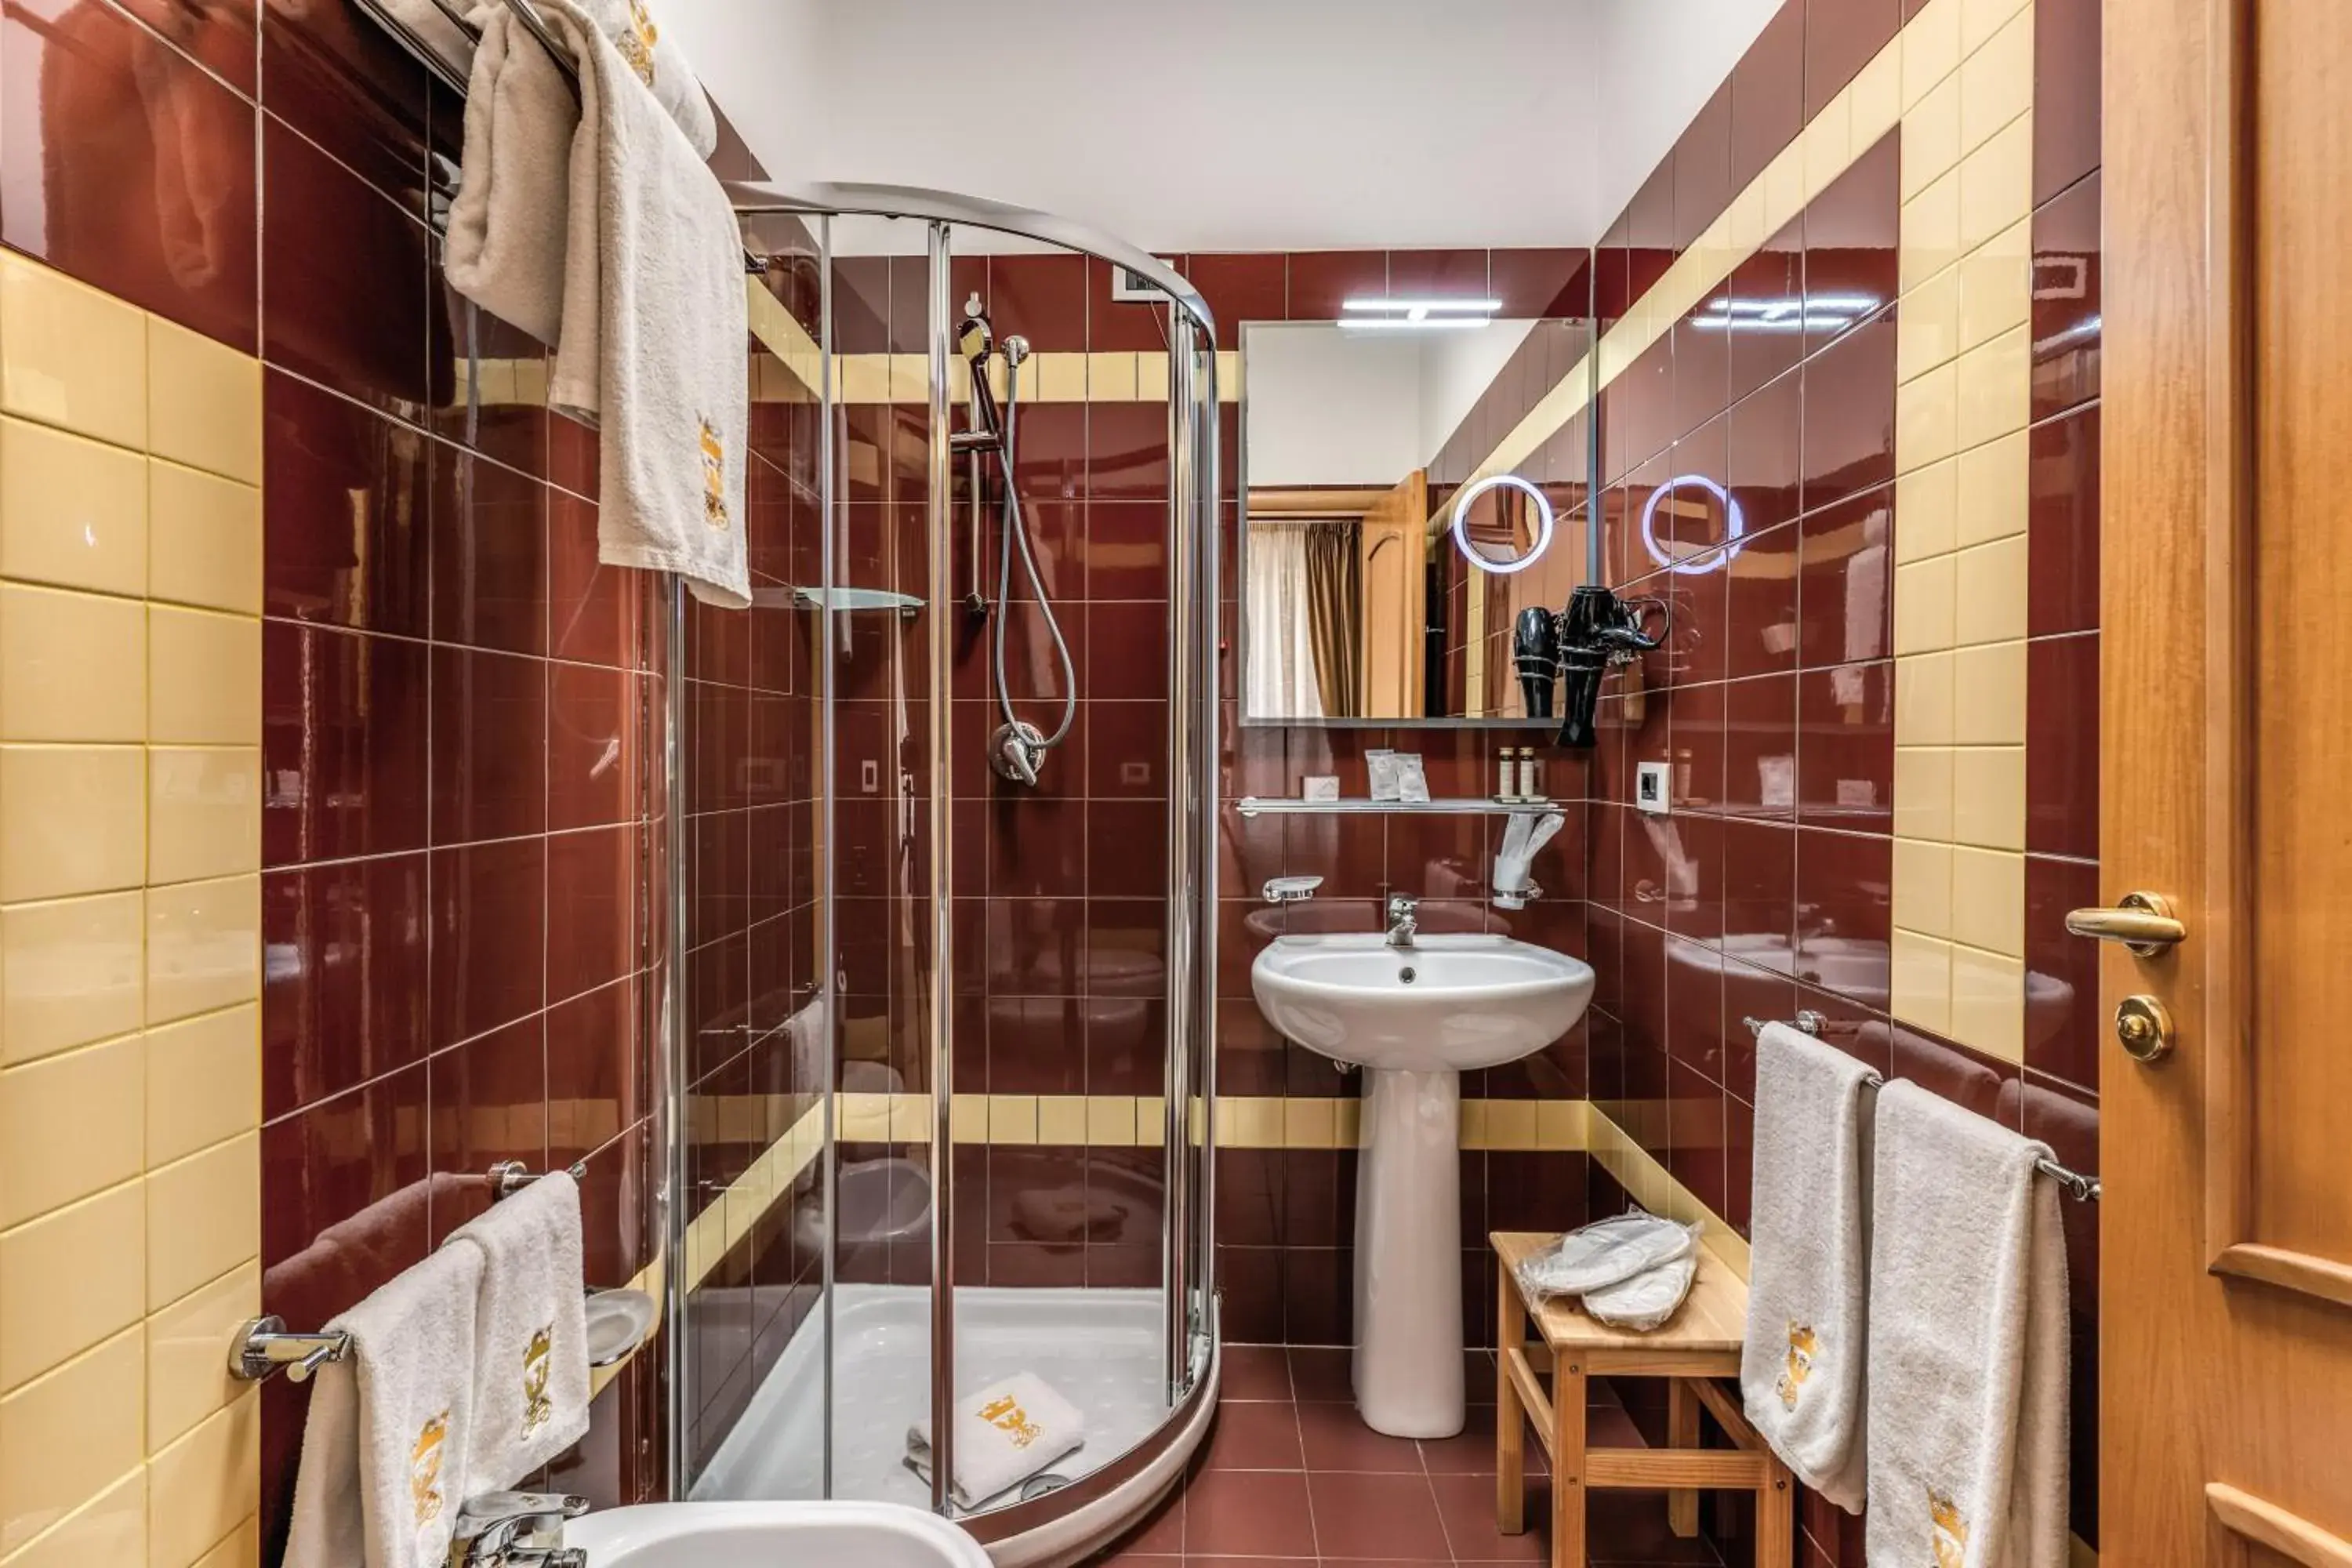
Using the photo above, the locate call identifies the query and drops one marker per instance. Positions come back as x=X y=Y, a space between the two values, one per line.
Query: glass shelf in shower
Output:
x=1469 y=805
x=835 y=599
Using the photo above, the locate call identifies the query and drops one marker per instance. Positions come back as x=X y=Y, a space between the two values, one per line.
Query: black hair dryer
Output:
x=1535 y=648
x=1596 y=630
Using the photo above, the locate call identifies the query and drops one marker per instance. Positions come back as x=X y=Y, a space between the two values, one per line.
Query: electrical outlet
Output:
x=1650 y=787
x=1131 y=288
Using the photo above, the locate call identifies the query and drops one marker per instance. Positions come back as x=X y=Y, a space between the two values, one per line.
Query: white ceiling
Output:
x=1231 y=125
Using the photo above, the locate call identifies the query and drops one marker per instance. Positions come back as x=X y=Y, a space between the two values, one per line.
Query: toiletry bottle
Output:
x=1507 y=778
x=1527 y=790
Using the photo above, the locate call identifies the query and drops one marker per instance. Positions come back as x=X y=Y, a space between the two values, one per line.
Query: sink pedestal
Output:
x=1408 y=1366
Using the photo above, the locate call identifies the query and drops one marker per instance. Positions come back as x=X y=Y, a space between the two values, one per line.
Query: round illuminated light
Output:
x=1734 y=526
x=1462 y=524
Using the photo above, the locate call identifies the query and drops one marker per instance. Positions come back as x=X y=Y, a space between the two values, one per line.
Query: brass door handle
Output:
x=2143 y=922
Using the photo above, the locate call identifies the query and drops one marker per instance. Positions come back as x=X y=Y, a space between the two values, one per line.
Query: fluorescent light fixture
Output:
x=1735 y=524
x=1418 y=315
x=1786 y=313
x=1462 y=524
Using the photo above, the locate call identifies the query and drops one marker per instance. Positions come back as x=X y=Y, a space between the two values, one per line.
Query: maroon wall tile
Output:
x=2062 y=746
x=2066 y=335
x=2065 y=94
x=2062 y=539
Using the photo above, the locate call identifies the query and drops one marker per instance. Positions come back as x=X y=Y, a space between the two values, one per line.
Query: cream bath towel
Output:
x=1968 y=1344
x=385 y=1444
x=1801 y=1372
x=662 y=66
x=510 y=219
x=531 y=1332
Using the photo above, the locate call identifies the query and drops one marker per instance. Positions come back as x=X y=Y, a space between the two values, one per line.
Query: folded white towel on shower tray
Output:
x=1005 y=1434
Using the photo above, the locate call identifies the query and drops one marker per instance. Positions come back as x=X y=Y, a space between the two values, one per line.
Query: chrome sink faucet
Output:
x=1404 y=920
x=516 y=1530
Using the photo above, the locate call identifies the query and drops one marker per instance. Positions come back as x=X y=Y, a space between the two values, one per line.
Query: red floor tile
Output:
x=1234 y=1513
x=1254 y=1372
x=1260 y=1435
x=1375 y=1515
x=1321 y=1372
x=1337 y=1439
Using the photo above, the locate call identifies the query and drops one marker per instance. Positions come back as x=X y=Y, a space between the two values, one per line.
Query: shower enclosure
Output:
x=942 y=1054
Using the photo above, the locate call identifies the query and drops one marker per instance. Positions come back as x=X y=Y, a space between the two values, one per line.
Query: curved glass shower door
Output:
x=953 y=1134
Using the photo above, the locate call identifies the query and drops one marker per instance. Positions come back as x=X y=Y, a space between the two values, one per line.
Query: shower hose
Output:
x=1016 y=536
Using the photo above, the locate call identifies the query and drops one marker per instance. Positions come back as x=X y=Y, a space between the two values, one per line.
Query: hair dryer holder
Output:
x=1597 y=630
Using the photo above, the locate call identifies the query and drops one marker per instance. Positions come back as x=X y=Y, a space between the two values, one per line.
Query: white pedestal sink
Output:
x=1415 y=1019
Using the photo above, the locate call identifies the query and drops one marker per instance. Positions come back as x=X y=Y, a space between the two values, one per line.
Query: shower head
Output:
x=972 y=338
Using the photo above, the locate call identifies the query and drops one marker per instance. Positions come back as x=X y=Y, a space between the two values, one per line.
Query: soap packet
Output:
x=1412 y=780
x=1387 y=778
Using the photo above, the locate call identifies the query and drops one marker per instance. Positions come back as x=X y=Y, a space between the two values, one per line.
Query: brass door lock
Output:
x=2144 y=1028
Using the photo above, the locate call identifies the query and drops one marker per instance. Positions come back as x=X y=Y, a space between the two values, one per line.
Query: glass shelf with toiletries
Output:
x=1253 y=805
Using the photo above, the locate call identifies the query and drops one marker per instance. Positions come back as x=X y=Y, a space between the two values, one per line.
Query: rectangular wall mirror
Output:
x=1416 y=476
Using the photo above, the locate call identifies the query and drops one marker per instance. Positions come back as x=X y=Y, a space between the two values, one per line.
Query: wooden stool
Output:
x=1697 y=1346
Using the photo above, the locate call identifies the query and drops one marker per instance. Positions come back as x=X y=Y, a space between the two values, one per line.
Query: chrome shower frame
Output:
x=1188 y=1244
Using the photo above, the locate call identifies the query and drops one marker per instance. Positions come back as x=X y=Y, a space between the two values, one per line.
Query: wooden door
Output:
x=2226 y=1301
x=1395 y=587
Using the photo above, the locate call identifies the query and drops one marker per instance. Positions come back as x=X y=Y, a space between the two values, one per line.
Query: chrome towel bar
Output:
x=2074 y=1184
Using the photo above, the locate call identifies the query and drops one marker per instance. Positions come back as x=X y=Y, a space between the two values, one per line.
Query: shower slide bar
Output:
x=2074 y=1184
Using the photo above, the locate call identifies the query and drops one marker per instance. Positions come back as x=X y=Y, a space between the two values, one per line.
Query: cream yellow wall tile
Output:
x=1993 y=500
x=204 y=403
x=1923 y=792
x=1995 y=388
x=70 y=1280
x=1924 y=701
x=1470 y=1125
x=203 y=539
x=70 y=356
x=66 y=1130
x=1560 y=1124
x=1151 y=377
x=1926 y=500
x=1927 y=329
x=73 y=512
x=1828 y=143
x=109 y=1529
x=72 y=666
x=1988 y=796
x=1989 y=900
x=1878 y=95
x=1110 y=378
x=1988 y=695
x=1980 y=22
x=1744 y=219
x=912 y=1120
x=910 y=378
x=1931 y=137
x=204 y=811
x=204 y=678
x=862 y=378
x=1350 y=1135
x=1997 y=183
x=1058 y=377
x=1997 y=81
x=1151 y=1118
x=72 y=820
x=1924 y=608
x=187 y=1375
x=1062 y=1118
x=1921 y=897
x=1989 y=1002
x=1991 y=592
x=1013 y=1119
x=242 y=1547
x=1930 y=232
x=204 y=1485
x=1996 y=286
x=1511 y=1123
x=71 y=972
x=204 y=1081
x=1110 y=1121
x=1784 y=196
x=1931 y=49
x=204 y=947
x=1920 y=980
x=968 y=1119
x=1229 y=375
x=1927 y=419
x=68 y=1436
x=1310 y=1123
x=203 y=1218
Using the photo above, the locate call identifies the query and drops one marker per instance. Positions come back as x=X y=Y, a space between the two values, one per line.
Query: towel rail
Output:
x=2074 y=1184
x=415 y=44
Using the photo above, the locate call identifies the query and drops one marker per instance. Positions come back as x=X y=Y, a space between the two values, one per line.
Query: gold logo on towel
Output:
x=1951 y=1530
x=538 y=1409
x=424 y=1469
x=1007 y=1416
x=714 y=476
x=636 y=45
x=1803 y=1345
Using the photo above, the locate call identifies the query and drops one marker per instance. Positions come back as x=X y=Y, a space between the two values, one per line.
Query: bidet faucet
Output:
x=1404 y=920
x=516 y=1530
